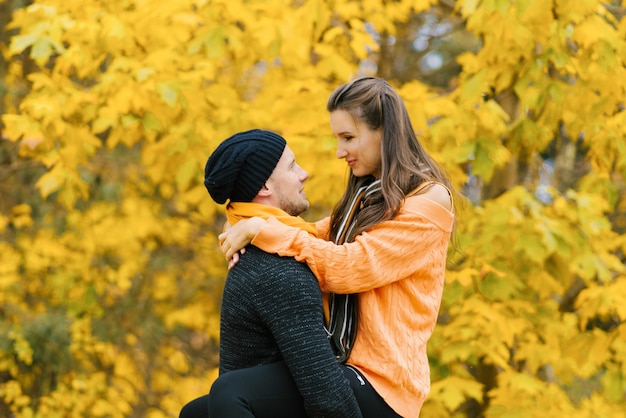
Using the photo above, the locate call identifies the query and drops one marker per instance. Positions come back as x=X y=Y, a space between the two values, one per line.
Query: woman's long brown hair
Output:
x=405 y=164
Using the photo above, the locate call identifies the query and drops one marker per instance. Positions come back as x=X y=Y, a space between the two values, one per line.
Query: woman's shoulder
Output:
x=432 y=203
x=436 y=192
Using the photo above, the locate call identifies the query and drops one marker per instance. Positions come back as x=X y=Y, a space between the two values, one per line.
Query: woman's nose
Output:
x=341 y=152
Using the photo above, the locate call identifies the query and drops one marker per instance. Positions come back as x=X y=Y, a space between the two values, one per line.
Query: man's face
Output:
x=287 y=184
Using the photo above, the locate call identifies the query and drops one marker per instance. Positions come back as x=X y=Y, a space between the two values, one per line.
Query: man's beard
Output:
x=294 y=208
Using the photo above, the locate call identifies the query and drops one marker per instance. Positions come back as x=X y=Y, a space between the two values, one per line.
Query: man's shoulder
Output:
x=257 y=264
x=255 y=255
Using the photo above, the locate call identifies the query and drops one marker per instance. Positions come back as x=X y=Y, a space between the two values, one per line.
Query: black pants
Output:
x=269 y=392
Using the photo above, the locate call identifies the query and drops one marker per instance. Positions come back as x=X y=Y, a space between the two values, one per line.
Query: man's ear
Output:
x=264 y=192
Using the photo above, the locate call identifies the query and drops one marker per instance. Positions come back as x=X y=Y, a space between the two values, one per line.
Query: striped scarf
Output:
x=344 y=309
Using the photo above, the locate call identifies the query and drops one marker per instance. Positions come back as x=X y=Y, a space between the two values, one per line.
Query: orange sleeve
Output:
x=323 y=228
x=390 y=251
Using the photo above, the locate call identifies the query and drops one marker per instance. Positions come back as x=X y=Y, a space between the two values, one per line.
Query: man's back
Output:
x=272 y=311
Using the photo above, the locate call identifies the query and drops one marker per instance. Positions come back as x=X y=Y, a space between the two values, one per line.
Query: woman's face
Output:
x=357 y=143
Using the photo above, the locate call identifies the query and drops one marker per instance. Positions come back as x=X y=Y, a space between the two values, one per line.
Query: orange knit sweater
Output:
x=398 y=268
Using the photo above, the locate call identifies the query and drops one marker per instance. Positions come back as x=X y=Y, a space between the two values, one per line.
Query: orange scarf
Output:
x=236 y=211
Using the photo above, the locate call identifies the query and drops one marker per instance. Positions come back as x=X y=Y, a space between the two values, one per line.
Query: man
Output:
x=272 y=316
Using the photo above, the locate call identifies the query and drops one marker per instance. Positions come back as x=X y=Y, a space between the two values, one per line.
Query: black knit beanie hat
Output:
x=240 y=166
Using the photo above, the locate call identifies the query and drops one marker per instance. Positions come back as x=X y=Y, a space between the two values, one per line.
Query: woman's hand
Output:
x=237 y=237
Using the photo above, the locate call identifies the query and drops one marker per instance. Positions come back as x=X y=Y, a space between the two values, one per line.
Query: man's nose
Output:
x=304 y=176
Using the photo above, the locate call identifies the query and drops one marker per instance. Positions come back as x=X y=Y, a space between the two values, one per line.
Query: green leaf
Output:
x=48 y=184
x=185 y=173
x=102 y=124
x=483 y=165
x=21 y=42
x=474 y=87
x=168 y=93
x=42 y=49
x=128 y=120
x=151 y=123
x=498 y=288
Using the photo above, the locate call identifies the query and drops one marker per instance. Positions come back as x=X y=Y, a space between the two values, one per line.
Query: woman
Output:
x=384 y=259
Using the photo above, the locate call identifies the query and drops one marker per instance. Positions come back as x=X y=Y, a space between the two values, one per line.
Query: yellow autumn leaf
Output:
x=454 y=390
x=128 y=231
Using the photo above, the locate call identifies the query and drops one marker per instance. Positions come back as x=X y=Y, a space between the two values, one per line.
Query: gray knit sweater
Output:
x=272 y=311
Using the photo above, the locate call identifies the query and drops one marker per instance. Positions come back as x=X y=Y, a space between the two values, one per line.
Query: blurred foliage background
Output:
x=110 y=274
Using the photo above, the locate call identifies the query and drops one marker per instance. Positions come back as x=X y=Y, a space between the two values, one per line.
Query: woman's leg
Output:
x=370 y=402
x=266 y=391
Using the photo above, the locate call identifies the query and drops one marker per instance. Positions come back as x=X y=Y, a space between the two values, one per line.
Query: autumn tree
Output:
x=110 y=274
